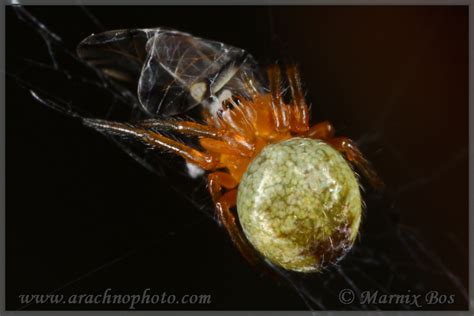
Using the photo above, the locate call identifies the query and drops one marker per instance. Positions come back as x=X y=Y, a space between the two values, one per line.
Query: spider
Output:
x=297 y=197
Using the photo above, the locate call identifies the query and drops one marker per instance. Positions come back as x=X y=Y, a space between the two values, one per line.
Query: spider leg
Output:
x=182 y=127
x=279 y=108
x=223 y=204
x=218 y=180
x=154 y=140
x=299 y=108
x=353 y=154
x=323 y=130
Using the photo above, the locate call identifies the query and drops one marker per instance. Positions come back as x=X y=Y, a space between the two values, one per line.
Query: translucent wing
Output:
x=171 y=71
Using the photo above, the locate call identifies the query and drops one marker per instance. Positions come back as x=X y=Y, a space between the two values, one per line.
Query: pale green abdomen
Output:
x=299 y=204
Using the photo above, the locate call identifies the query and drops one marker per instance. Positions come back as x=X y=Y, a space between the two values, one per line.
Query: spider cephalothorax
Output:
x=298 y=199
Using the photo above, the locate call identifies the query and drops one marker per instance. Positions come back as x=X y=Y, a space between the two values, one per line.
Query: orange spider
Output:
x=234 y=138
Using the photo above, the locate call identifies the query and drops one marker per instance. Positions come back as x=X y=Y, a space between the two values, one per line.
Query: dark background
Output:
x=82 y=216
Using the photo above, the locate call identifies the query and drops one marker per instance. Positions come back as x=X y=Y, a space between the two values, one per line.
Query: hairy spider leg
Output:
x=299 y=122
x=183 y=127
x=218 y=180
x=352 y=153
x=155 y=140
x=323 y=130
x=279 y=108
x=223 y=204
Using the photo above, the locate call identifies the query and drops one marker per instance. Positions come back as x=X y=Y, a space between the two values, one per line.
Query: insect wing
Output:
x=172 y=72
x=182 y=71
x=118 y=54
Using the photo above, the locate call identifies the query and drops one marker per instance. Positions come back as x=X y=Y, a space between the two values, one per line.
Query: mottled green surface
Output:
x=299 y=204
